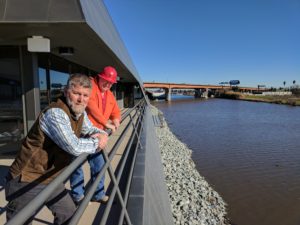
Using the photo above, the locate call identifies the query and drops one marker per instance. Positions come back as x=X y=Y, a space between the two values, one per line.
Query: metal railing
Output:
x=135 y=116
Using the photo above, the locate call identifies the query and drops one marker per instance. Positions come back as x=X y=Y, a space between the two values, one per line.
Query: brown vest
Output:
x=40 y=159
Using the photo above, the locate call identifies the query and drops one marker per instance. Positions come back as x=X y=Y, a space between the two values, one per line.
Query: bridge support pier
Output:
x=168 y=92
x=205 y=93
x=198 y=93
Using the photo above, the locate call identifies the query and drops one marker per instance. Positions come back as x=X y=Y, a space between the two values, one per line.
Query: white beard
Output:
x=77 y=109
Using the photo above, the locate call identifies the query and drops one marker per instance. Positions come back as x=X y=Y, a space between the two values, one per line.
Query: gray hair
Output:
x=79 y=79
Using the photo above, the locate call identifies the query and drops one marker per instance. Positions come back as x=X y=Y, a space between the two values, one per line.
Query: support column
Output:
x=198 y=93
x=168 y=92
x=30 y=80
x=205 y=93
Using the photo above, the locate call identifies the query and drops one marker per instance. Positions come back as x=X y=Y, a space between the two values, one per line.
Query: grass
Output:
x=277 y=99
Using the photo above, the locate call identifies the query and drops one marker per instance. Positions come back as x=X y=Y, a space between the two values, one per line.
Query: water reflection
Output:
x=248 y=151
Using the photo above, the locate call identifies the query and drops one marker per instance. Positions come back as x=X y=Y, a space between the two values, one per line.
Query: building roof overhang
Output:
x=83 y=25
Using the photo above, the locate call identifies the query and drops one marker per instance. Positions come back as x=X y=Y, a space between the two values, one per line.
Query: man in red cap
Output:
x=104 y=113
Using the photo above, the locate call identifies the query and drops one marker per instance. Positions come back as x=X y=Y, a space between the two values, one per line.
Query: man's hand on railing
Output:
x=116 y=122
x=103 y=138
x=108 y=125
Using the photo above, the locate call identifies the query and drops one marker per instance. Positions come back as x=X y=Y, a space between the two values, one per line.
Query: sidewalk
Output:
x=93 y=210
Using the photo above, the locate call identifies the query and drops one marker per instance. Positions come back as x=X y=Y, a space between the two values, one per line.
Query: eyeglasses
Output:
x=106 y=83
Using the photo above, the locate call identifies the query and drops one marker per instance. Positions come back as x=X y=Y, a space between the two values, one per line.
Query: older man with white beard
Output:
x=52 y=142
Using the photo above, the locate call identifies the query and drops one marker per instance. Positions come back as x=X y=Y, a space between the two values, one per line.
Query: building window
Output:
x=44 y=93
x=11 y=107
x=58 y=81
x=53 y=74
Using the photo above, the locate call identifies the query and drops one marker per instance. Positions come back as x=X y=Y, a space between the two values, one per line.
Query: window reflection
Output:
x=58 y=81
x=11 y=116
x=44 y=96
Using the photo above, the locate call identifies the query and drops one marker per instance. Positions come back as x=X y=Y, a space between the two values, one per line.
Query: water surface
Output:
x=249 y=152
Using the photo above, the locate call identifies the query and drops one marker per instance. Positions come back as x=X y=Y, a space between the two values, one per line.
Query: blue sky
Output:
x=211 y=41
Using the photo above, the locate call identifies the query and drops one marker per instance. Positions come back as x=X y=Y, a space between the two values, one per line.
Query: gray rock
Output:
x=193 y=200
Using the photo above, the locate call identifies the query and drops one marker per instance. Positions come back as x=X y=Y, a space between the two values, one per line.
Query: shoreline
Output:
x=193 y=200
x=276 y=99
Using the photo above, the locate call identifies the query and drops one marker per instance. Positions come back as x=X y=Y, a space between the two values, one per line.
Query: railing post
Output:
x=38 y=201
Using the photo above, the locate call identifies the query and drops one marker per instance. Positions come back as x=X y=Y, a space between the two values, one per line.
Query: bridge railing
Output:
x=133 y=128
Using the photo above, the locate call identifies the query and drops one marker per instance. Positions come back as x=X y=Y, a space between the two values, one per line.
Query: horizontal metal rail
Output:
x=117 y=180
x=92 y=189
x=126 y=195
x=38 y=202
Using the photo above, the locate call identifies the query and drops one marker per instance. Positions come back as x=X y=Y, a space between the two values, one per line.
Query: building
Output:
x=41 y=43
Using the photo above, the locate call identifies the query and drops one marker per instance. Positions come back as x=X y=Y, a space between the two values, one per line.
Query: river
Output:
x=249 y=152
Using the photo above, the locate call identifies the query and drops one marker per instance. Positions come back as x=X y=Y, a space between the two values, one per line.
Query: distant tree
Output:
x=295 y=89
x=235 y=88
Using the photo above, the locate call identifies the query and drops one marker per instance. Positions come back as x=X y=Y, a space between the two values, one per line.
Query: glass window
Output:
x=137 y=92
x=58 y=70
x=11 y=107
x=44 y=93
x=119 y=91
x=58 y=81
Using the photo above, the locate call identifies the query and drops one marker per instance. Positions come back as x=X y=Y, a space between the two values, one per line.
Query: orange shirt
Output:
x=94 y=108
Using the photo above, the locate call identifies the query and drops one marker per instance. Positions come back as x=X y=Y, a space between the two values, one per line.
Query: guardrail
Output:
x=135 y=115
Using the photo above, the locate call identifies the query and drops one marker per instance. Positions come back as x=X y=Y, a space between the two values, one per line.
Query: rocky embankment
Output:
x=193 y=201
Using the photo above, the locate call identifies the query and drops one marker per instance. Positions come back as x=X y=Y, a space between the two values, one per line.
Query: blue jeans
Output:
x=96 y=162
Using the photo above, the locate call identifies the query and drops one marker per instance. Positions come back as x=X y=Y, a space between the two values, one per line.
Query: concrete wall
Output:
x=148 y=203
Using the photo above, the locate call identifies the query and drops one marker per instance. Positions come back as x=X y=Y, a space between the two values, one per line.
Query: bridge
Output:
x=200 y=90
x=182 y=86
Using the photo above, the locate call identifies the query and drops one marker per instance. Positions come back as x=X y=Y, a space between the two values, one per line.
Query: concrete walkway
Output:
x=93 y=211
